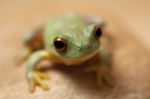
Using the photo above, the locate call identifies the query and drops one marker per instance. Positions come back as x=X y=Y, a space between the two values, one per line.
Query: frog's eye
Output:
x=97 y=32
x=60 y=44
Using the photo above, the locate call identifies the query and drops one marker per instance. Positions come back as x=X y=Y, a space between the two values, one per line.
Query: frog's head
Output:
x=78 y=46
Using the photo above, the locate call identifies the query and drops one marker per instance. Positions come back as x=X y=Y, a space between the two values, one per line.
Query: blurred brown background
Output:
x=127 y=22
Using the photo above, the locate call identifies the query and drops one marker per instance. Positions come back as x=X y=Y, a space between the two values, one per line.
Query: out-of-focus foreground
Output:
x=127 y=23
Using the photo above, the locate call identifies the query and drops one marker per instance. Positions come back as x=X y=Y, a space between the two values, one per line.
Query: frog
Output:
x=71 y=40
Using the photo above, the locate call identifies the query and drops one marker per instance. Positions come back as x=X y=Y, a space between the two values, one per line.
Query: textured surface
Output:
x=130 y=62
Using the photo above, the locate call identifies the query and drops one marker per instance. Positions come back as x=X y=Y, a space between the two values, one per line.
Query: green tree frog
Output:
x=69 y=39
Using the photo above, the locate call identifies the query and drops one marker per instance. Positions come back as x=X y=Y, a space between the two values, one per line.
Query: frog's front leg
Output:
x=34 y=76
x=103 y=71
x=101 y=66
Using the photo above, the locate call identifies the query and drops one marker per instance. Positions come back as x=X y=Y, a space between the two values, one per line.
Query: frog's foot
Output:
x=107 y=78
x=103 y=77
x=36 y=78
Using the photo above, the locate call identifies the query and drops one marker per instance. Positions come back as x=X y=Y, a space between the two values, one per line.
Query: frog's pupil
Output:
x=60 y=44
x=98 y=32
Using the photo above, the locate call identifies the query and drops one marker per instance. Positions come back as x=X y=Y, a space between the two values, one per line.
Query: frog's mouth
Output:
x=79 y=60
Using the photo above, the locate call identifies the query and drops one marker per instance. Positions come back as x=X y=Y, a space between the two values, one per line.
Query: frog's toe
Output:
x=43 y=75
x=45 y=86
x=108 y=80
x=37 y=79
x=32 y=87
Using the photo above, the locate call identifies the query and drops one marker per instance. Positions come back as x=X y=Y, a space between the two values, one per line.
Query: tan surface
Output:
x=130 y=58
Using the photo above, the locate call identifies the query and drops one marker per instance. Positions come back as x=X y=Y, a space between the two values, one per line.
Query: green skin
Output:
x=81 y=43
x=79 y=36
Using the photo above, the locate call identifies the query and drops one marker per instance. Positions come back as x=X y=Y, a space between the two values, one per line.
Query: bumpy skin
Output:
x=81 y=46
